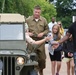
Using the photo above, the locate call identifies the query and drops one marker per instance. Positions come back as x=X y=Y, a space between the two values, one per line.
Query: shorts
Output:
x=56 y=56
x=66 y=59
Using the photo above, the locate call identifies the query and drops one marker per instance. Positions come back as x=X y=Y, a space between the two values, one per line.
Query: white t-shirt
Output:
x=50 y=25
x=50 y=48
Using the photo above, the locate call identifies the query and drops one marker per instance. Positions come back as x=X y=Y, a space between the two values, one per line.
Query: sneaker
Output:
x=57 y=73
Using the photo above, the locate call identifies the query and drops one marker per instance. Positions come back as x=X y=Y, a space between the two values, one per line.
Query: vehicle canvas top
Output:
x=14 y=18
x=12 y=32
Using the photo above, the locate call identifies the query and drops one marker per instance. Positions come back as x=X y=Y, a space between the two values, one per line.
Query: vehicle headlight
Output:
x=20 y=60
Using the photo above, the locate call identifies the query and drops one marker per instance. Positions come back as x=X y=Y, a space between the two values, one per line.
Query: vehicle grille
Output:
x=8 y=65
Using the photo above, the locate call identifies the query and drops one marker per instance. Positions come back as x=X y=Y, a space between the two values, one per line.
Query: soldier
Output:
x=38 y=27
x=32 y=41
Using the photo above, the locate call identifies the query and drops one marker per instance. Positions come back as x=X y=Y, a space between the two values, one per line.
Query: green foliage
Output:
x=66 y=22
x=64 y=7
x=0 y=5
x=48 y=10
x=25 y=7
x=65 y=11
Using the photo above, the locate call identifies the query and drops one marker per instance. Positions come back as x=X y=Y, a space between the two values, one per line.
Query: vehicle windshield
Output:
x=11 y=32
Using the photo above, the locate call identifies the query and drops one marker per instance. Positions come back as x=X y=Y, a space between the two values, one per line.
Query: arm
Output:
x=31 y=41
x=41 y=41
x=26 y=27
x=64 y=38
x=70 y=31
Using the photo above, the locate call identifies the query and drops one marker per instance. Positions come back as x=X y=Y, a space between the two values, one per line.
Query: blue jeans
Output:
x=33 y=72
x=1 y=65
x=75 y=58
x=75 y=61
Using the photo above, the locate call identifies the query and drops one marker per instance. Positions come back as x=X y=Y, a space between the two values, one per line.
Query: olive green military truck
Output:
x=14 y=57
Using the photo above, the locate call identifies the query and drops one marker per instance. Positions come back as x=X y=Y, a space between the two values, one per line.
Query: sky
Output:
x=73 y=0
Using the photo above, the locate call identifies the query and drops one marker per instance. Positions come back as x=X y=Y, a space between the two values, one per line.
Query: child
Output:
x=68 y=53
x=55 y=56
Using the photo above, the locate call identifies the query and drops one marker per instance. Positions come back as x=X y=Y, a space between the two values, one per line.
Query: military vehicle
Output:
x=14 y=57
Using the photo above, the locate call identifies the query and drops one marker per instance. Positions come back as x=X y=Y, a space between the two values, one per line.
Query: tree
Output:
x=1 y=5
x=65 y=10
x=25 y=7
x=64 y=7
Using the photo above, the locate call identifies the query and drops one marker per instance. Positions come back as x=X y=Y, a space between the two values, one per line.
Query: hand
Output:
x=70 y=54
x=40 y=35
x=30 y=34
x=48 y=38
x=55 y=44
x=54 y=47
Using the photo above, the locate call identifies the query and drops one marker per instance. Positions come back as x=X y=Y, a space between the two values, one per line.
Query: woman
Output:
x=61 y=28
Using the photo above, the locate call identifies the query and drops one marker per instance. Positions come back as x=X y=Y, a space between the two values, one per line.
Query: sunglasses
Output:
x=59 y=24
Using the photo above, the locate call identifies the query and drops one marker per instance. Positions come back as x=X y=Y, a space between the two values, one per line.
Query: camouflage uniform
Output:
x=37 y=27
